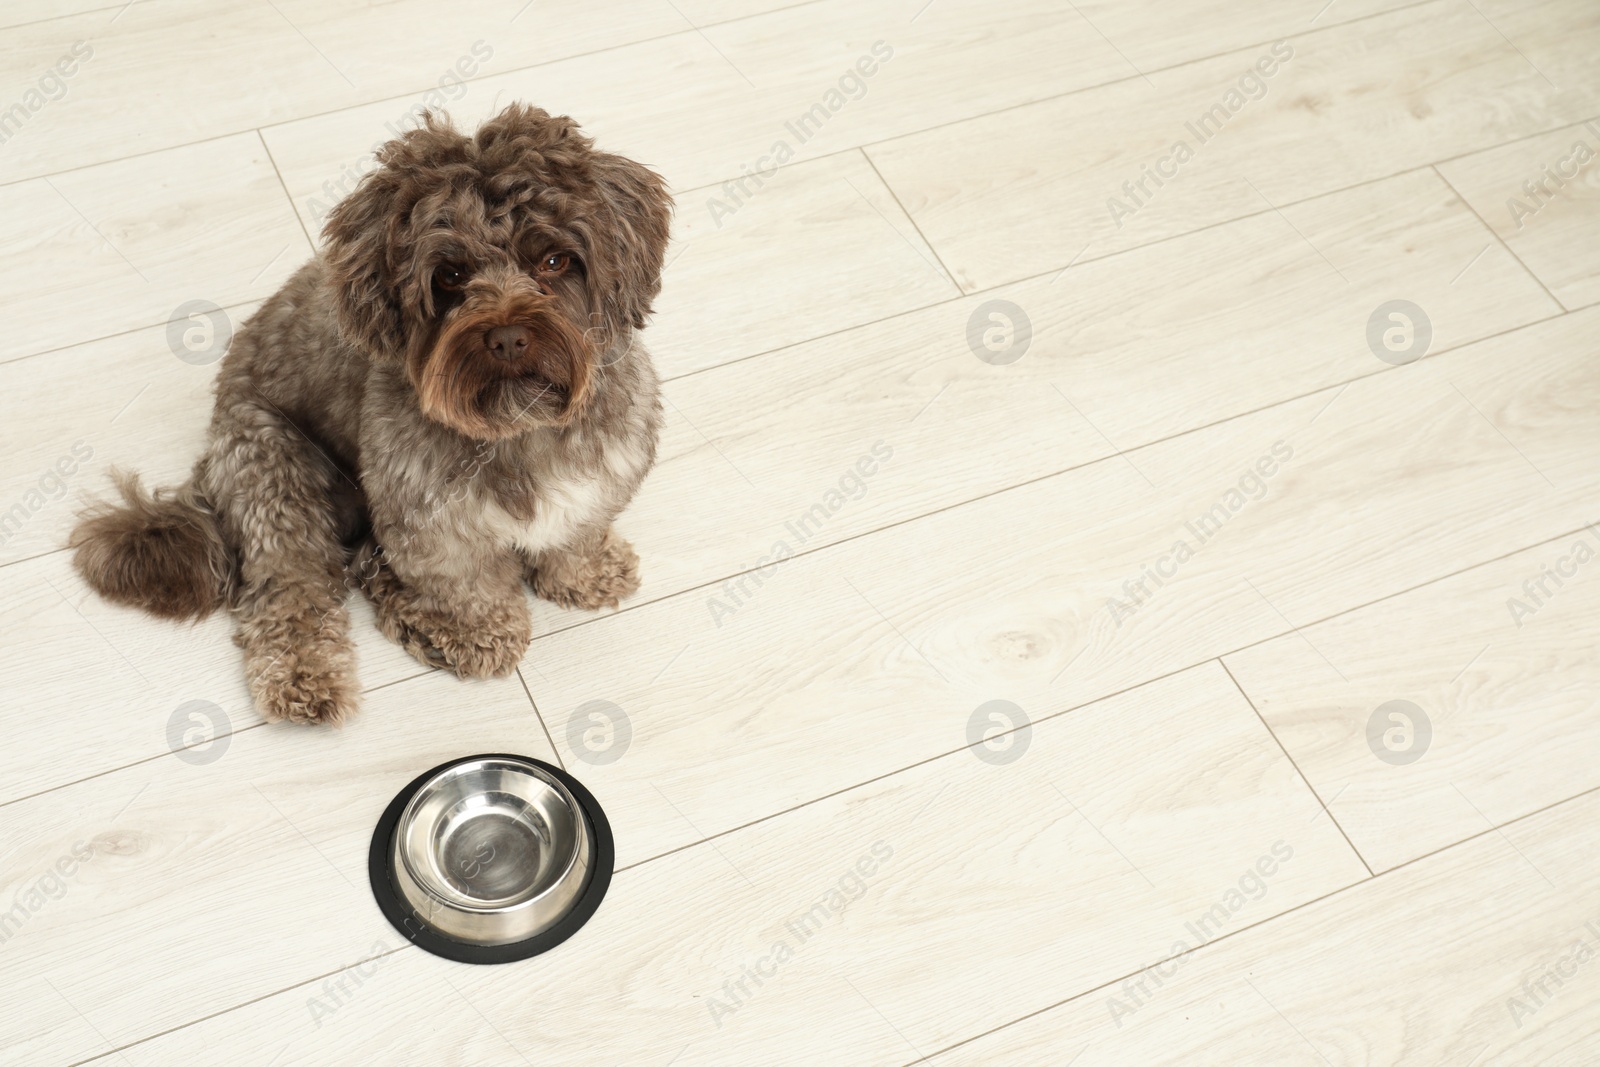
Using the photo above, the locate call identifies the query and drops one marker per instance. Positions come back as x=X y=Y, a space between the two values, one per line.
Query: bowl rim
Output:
x=529 y=769
x=395 y=908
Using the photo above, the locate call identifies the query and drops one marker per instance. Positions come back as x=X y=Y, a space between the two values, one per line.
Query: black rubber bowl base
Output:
x=380 y=871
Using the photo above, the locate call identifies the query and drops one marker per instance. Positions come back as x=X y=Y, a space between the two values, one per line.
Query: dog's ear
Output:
x=357 y=236
x=642 y=211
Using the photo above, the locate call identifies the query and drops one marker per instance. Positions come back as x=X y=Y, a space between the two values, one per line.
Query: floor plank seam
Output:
x=121 y=1049
x=869 y=781
x=1358 y=883
x=287 y=197
x=395 y=97
x=1420 y=585
x=1515 y=140
x=69 y=15
x=404 y=95
x=1145 y=76
x=1495 y=235
x=10 y=360
x=960 y=295
x=1293 y=763
x=1119 y=692
x=692 y=589
x=540 y=716
x=1119 y=454
x=1399 y=534
x=895 y=196
x=939 y=1052
x=129 y=764
x=1057 y=270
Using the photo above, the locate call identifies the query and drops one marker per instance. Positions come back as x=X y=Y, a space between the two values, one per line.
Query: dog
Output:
x=449 y=400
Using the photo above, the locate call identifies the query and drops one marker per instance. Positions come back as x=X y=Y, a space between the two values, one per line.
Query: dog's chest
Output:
x=569 y=501
x=562 y=509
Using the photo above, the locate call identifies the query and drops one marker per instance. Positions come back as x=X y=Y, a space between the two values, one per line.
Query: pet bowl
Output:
x=489 y=859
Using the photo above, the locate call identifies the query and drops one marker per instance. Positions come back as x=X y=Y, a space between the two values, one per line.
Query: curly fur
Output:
x=369 y=431
x=161 y=552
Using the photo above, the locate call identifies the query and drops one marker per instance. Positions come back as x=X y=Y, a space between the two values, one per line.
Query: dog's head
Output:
x=504 y=269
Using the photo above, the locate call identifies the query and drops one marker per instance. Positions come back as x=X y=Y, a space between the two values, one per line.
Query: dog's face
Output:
x=505 y=270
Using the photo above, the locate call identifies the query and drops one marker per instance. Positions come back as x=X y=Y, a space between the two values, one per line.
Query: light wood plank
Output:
x=124 y=245
x=824 y=249
x=1542 y=197
x=707 y=12
x=850 y=662
x=112 y=679
x=957 y=919
x=20 y=12
x=1027 y=190
x=1157 y=342
x=1154 y=36
x=1505 y=680
x=1426 y=965
x=218 y=882
x=721 y=101
x=280 y=61
x=1555 y=38
x=135 y=405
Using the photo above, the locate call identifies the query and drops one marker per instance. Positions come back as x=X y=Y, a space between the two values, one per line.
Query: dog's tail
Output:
x=162 y=552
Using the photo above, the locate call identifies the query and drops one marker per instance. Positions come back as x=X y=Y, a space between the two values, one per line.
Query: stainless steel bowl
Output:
x=492 y=851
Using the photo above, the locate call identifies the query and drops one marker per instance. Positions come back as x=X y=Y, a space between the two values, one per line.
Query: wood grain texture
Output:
x=870 y=656
x=143 y=236
x=114 y=679
x=873 y=540
x=1353 y=103
x=826 y=243
x=1468 y=957
x=1153 y=37
x=259 y=855
x=706 y=12
x=721 y=100
x=1542 y=197
x=1123 y=352
x=280 y=61
x=1506 y=683
x=951 y=921
x=21 y=12
x=135 y=405
x=1555 y=38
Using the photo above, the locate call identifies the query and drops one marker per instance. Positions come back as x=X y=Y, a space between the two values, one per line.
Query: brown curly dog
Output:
x=450 y=399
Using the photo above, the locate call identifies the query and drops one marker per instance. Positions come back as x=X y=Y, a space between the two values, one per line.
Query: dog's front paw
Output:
x=469 y=650
x=300 y=671
x=487 y=645
x=593 y=580
x=304 y=699
x=478 y=633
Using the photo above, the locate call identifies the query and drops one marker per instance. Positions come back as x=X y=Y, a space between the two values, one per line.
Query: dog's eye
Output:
x=450 y=277
x=555 y=263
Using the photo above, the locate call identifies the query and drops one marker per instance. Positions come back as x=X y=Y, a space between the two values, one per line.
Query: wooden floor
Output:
x=1179 y=426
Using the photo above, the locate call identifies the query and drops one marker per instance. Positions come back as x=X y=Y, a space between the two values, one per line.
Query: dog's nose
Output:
x=508 y=342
